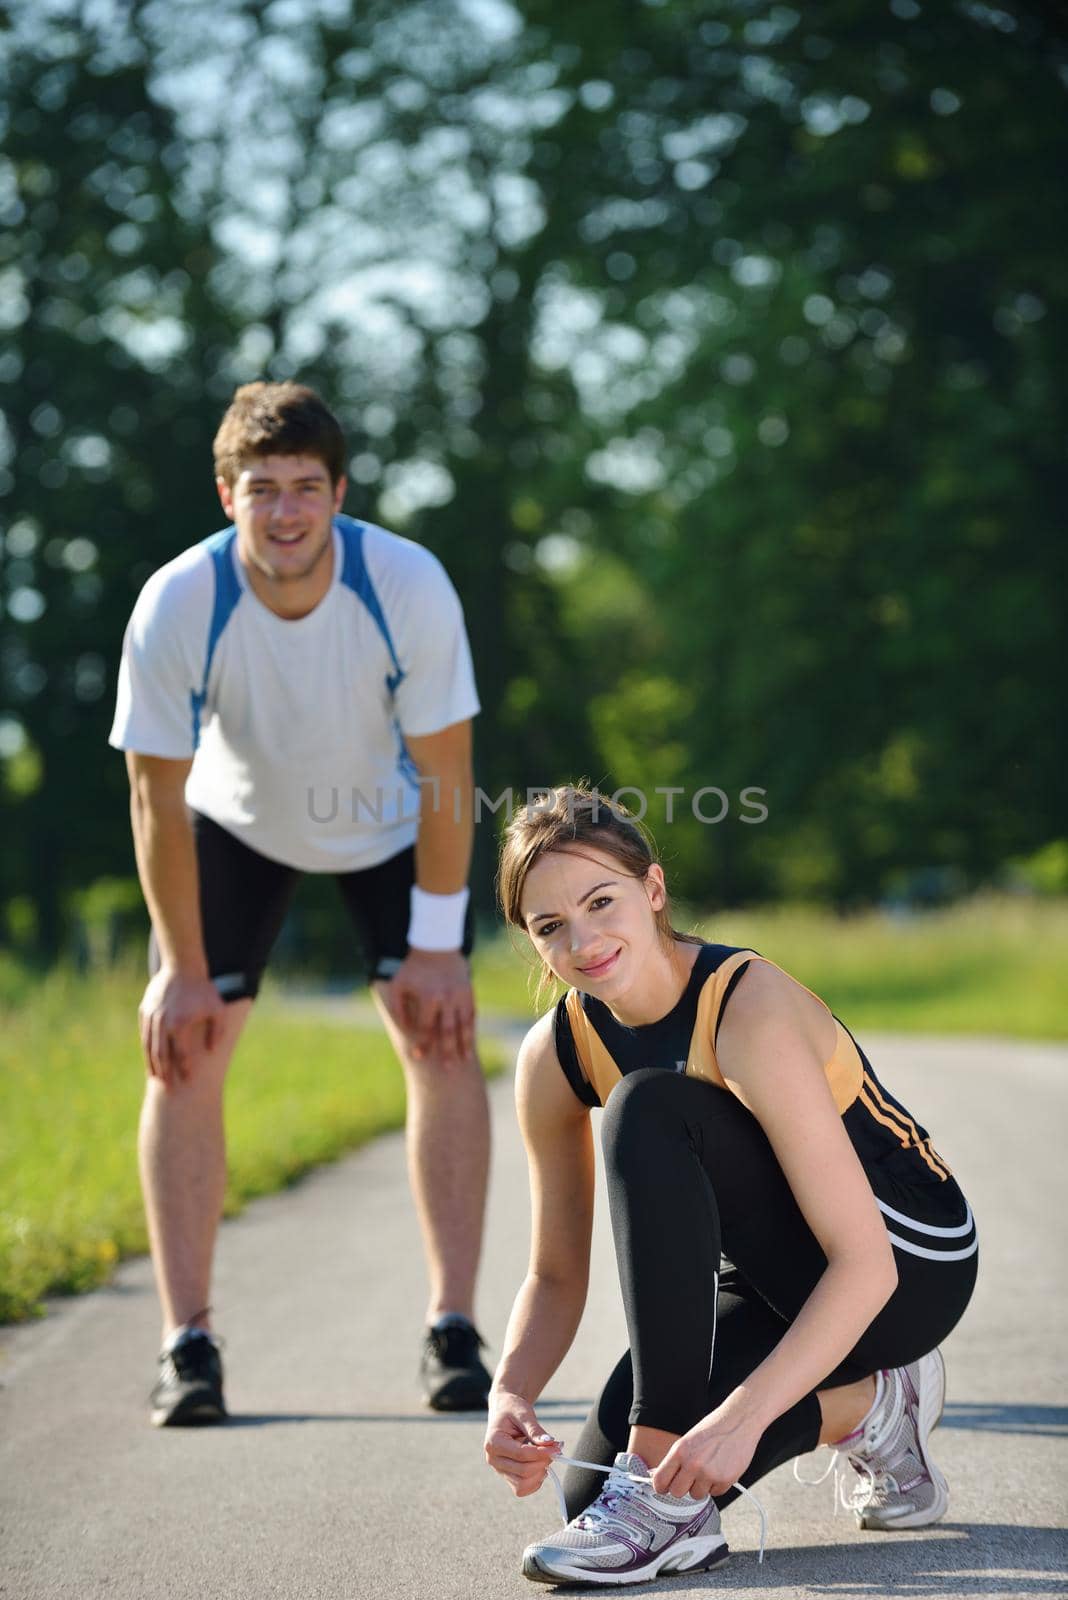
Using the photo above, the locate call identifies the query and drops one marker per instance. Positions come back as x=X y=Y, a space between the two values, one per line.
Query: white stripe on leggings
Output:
x=715 y=1316
x=932 y=1255
x=925 y=1227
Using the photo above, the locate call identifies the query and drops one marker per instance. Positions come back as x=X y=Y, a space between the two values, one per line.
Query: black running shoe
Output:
x=452 y=1373
x=188 y=1391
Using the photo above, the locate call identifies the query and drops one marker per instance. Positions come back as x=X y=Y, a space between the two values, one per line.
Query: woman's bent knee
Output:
x=645 y=1107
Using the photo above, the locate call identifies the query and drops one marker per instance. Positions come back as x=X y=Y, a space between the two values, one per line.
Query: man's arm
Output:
x=430 y=997
x=446 y=822
x=181 y=993
x=166 y=859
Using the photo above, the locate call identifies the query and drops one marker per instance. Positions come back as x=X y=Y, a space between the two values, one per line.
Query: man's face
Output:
x=282 y=507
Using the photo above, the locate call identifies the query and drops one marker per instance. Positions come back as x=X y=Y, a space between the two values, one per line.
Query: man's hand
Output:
x=179 y=1017
x=430 y=1000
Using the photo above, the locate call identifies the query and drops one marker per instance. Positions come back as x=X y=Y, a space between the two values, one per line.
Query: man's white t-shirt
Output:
x=297 y=729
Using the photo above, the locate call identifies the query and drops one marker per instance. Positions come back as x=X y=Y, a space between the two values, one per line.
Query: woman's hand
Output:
x=714 y=1453
x=517 y=1445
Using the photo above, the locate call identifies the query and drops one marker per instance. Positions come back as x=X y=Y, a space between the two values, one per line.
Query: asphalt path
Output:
x=332 y=1481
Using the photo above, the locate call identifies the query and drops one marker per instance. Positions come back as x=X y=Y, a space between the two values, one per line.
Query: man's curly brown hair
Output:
x=277 y=419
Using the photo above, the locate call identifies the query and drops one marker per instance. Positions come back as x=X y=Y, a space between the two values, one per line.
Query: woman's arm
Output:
x=772 y=1047
x=556 y=1132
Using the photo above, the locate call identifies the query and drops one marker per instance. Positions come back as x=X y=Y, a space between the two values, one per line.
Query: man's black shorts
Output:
x=244 y=898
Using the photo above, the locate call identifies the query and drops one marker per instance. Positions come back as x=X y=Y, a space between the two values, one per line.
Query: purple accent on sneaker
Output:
x=641 y=1555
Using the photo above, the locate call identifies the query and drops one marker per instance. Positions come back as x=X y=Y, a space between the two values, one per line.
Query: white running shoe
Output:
x=900 y=1485
x=629 y=1534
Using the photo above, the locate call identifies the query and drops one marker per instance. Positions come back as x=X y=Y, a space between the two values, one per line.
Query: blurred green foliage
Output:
x=993 y=964
x=714 y=347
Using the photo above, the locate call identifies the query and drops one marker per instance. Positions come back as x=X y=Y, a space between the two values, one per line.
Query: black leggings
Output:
x=690 y=1175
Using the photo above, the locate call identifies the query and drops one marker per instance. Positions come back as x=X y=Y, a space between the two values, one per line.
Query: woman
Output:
x=791 y=1249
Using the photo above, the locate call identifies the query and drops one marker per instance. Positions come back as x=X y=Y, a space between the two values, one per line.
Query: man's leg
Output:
x=181 y=1145
x=447 y=1141
x=243 y=902
x=182 y=1154
x=448 y=1166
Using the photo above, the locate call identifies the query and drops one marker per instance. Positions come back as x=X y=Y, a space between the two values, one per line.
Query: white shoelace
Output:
x=861 y=1495
x=595 y=1466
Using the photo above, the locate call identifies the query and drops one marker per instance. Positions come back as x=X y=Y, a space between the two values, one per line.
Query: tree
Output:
x=846 y=298
x=714 y=347
x=113 y=340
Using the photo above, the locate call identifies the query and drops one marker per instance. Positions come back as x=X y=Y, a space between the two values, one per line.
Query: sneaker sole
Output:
x=697 y=1555
x=458 y=1398
x=457 y=1405
x=931 y=1386
x=189 y=1414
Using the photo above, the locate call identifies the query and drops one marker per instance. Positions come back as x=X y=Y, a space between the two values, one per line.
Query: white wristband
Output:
x=437 y=920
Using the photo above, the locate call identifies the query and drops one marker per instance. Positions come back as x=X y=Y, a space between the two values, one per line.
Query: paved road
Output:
x=331 y=1482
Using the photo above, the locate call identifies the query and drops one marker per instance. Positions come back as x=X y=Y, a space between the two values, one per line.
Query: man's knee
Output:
x=434 y=1070
x=200 y=1082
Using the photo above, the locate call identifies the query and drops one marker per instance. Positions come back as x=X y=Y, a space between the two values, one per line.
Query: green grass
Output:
x=300 y=1092
x=992 y=965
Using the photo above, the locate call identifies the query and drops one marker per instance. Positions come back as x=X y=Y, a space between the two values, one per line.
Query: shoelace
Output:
x=865 y=1494
x=814 y=1483
x=861 y=1495
x=635 y=1477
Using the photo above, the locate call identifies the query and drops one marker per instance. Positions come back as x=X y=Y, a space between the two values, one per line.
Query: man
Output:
x=296 y=695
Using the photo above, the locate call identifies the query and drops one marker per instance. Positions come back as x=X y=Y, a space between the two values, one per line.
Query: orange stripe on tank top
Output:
x=906 y=1142
x=880 y=1116
x=933 y=1159
x=921 y=1146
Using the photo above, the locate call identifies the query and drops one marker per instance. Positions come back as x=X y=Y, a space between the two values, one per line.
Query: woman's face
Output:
x=590 y=922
